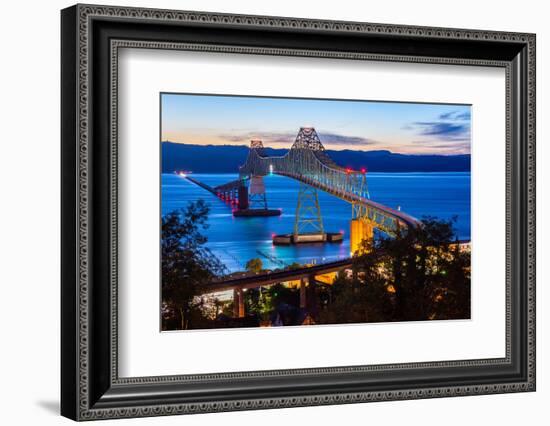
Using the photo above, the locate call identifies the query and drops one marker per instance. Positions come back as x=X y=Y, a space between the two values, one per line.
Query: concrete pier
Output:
x=325 y=237
x=303 y=295
x=256 y=212
x=238 y=303
x=360 y=230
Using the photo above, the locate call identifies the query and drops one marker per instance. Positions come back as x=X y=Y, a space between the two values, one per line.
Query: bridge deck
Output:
x=234 y=184
x=350 y=197
x=201 y=184
x=260 y=280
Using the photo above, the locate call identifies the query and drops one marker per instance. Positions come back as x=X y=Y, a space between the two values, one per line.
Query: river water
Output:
x=236 y=240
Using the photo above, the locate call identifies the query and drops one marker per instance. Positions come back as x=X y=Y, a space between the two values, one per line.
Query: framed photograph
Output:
x=263 y=212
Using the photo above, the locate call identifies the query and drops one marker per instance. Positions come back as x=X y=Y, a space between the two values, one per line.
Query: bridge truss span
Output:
x=308 y=162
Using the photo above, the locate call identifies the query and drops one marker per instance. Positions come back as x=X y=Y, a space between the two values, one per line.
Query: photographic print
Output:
x=296 y=182
x=281 y=212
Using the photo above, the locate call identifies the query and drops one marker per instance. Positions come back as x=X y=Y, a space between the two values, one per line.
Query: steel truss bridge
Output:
x=308 y=162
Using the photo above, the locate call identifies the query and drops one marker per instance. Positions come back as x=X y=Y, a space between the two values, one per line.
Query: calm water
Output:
x=236 y=240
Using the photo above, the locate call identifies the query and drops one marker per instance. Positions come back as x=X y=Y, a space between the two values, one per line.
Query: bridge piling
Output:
x=256 y=193
x=308 y=219
x=360 y=230
x=238 y=303
x=235 y=303
x=303 y=295
x=241 y=304
x=311 y=296
x=243 y=198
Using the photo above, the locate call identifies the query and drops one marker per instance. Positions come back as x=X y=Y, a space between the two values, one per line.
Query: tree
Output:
x=187 y=265
x=352 y=300
x=260 y=302
x=419 y=274
x=423 y=270
x=294 y=265
x=254 y=265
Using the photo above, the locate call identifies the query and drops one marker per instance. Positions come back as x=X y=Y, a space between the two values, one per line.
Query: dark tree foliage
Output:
x=187 y=265
x=254 y=265
x=265 y=301
x=351 y=300
x=421 y=274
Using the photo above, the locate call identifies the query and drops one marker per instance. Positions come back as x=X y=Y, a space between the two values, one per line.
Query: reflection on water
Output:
x=236 y=240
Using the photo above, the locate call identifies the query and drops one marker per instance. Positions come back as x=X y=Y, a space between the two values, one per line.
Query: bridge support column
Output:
x=308 y=219
x=360 y=229
x=256 y=193
x=238 y=303
x=243 y=197
x=312 y=306
x=241 y=304
x=235 y=303
x=303 y=294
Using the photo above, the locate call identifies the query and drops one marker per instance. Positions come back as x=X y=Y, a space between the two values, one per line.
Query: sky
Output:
x=400 y=127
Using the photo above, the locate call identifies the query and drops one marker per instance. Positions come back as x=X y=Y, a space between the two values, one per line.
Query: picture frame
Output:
x=90 y=384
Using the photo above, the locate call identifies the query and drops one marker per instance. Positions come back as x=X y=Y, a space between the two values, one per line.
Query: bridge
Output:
x=306 y=275
x=246 y=196
x=308 y=163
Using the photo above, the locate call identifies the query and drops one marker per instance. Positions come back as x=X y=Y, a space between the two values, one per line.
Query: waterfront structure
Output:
x=308 y=163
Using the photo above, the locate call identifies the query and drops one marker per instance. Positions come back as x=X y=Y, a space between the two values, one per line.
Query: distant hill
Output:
x=227 y=159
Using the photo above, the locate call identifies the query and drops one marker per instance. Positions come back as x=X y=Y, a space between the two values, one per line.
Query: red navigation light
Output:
x=363 y=170
x=348 y=170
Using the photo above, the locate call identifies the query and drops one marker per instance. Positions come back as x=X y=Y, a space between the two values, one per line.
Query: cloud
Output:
x=439 y=147
x=287 y=138
x=453 y=126
x=338 y=139
x=444 y=130
x=456 y=115
x=266 y=137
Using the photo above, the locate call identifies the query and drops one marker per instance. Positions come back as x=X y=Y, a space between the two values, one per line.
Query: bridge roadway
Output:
x=202 y=185
x=262 y=280
x=234 y=184
x=350 y=197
